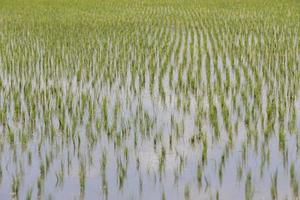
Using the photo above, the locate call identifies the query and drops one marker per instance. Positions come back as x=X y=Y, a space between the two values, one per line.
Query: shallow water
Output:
x=152 y=111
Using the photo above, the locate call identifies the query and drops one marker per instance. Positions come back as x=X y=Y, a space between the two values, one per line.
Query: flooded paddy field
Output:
x=149 y=99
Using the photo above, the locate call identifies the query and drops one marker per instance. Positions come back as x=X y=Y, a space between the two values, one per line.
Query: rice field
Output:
x=149 y=99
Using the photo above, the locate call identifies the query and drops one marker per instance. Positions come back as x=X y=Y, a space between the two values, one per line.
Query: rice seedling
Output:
x=274 y=192
x=293 y=181
x=15 y=186
x=249 y=188
x=29 y=194
x=149 y=99
x=82 y=177
x=187 y=192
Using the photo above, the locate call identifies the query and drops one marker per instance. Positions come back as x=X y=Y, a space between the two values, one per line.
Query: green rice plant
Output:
x=204 y=149
x=162 y=159
x=274 y=192
x=281 y=140
x=163 y=196
x=15 y=187
x=145 y=87
x=82 y=176
x=293 y=181
x=29 y=194
x=249 y=188
x=122 y=171
x=187 y=192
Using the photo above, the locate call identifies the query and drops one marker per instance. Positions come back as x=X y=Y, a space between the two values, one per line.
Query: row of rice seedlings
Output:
x=82 y=91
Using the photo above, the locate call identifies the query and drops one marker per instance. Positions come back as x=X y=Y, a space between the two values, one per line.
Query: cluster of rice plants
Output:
x=148 y=99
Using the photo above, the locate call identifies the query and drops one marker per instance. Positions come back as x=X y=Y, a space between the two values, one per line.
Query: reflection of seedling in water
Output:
x=42 y=170
x=29 y=158
x=103 y=164
x=60 y=175
x=40 y=186
x=199 y=174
